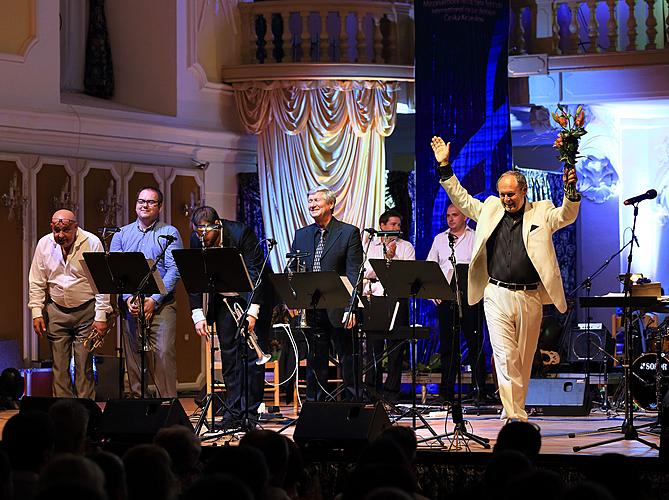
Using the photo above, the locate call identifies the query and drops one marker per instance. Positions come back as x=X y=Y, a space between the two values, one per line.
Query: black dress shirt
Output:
x=507 y=256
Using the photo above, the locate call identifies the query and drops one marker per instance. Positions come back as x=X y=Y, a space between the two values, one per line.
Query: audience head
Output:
x=67 y=470
x=520 y=436
x=6 y=489
x=245 y=463
x=504 y=467
x=70 y=419
x=405 y=438
x=274 y=448
x=183 y=447
x=218 y=486
x=112 y=467
x=28 y=439
x=148 y=471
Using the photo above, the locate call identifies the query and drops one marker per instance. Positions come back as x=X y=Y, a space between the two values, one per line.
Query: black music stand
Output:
x=312 y=290
x=212 y=271
x=125 y=273
x=413 y=279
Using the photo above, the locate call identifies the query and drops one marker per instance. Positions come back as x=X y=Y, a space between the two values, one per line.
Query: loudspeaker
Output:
x=138 y=420
x=559 y=396
x=339 y=425
x=107 y=378
x=42 y=404
x=600 y=341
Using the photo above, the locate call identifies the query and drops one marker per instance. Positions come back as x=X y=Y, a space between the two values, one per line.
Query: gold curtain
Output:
x=314 y=133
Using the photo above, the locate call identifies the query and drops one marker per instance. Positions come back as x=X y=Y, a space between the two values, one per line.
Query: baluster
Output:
x=306 y=38
x=378 y=39
x=593 y=27
x=612 y=26
x=666 y=27
x=253 y=39
x=391 y=41
x=631 y=26
x=556 y=29
x=573 y=27
x=260 y=28
x=287 y=37
x=651 y=22
x=518 y=30
x=343 y=38
x=324 y=40
x=360 y=39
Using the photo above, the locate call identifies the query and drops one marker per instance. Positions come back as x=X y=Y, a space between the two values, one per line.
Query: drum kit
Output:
x=650 y=378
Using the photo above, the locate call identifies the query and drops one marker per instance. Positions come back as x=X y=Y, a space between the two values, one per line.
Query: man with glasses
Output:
x=150 y=236
x=513 y=268
x=72 y=310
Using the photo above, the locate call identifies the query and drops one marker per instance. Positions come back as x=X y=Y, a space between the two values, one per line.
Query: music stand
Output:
x=312 y=290
x=125 y=273
x=212 y=270
x=413 y=279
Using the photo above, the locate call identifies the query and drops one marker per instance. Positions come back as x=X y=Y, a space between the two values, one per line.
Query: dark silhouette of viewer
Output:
x=524 y=437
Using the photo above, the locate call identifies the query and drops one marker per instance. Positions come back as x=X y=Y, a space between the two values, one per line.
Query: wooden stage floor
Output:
x=554 y=430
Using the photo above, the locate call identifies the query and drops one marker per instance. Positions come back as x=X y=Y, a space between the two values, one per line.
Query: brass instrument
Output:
x=237 y=314
x=96 y=339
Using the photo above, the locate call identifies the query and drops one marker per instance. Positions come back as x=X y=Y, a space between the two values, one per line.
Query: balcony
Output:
x=325 y=40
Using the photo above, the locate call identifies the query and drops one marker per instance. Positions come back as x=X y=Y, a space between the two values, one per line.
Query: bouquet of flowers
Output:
x=567 y=140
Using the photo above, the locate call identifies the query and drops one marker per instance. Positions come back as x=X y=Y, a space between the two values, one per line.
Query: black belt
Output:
x=514 y=286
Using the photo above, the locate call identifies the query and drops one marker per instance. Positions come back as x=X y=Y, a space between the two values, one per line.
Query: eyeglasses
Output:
x=507 y=195
x=151 y=203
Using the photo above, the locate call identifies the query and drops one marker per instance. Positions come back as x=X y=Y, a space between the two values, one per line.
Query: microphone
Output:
x=168 y=237
x=110 y=229
x=297 y=255
x=389 y=233
x=370 y=230
x=648 y=195
x=270 y=241
x=451 y=237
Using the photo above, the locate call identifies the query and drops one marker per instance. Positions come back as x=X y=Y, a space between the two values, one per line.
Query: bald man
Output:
x=72 y=310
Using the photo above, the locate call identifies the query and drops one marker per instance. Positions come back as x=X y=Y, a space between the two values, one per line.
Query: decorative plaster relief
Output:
x=662 y=185
x=598 y=180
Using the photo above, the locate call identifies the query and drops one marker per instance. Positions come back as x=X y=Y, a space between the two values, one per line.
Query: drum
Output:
x=642 y=383
x=658 y=340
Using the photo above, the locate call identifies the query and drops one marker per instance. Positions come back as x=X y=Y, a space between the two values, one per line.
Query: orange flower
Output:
x=562 y=120
x=580 y=119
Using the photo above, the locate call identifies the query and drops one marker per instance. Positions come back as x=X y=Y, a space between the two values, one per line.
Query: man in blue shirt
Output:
x=150 y=236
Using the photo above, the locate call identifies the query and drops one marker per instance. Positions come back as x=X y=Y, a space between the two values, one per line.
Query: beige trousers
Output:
x=514 y=322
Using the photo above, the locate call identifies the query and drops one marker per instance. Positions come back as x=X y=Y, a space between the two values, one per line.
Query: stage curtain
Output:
x=314 y=133
x=248 y=202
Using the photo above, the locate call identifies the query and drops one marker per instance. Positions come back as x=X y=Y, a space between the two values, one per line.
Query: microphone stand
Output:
x=143 y=326
x=460 y=433
x=243 y=349
x=627 y=429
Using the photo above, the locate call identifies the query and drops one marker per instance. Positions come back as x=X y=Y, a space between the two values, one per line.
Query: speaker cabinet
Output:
x=42 y=404
x=598 y=340
x=559 y=396
x=138 y=420
x=107 y=378
x=339 y=425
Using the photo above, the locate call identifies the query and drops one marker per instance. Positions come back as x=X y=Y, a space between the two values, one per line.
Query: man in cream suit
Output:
x=513 y=268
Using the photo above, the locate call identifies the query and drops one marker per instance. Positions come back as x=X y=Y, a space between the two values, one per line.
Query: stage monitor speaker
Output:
x=138 y=420
x=559 y=396
x=339 y=425
x=600 y=341
x=42 y=404
x=107 y=379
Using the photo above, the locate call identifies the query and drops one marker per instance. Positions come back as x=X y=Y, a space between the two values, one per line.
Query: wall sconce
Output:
x=64 y=200
x=110 y=205
x=13 y=200
x=190 y=208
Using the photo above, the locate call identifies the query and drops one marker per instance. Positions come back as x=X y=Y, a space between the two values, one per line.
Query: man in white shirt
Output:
x=390 y=248
x=72 y=310
x=472 y=316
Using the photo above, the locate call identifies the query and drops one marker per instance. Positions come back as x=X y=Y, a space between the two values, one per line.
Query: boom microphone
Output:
x=648 y=195
x=110 y=229
x=297 y=255
x=168 y=237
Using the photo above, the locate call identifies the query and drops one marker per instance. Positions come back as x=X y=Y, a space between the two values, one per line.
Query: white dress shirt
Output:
x=64 y=278
x=403 y=251
x=441 y=250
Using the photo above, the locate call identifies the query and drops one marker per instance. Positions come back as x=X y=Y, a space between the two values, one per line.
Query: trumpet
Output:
x=95 y=338
x=237 y=314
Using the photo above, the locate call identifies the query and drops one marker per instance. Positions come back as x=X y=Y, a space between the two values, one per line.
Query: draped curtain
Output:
x=542 y=185
x=249 y=210
x=313 y=133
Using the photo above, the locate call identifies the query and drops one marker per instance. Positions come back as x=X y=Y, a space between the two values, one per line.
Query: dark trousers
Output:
x=395 y=350
x=322 y=335
x=449 y=346
x=232 y=362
